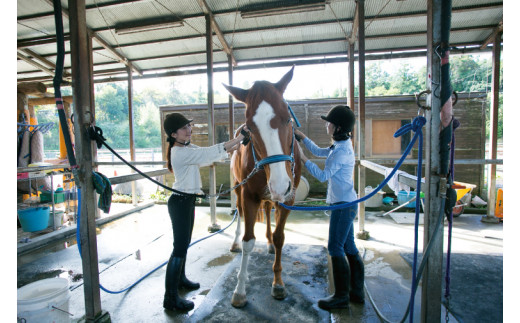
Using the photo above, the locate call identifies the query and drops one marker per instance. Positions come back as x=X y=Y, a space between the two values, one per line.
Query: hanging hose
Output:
x=57 y=80
x=416 y=126
x=78 y=240
x=419 y=275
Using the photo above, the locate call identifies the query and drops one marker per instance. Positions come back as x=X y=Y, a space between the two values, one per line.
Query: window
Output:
x=381 y=142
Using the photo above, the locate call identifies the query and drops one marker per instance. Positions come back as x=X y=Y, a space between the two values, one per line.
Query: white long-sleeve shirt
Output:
x=338 y=171
x=186 y=161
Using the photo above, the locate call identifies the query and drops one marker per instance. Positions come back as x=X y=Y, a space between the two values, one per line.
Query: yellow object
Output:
x=63 y=148
x=464 y=189
x=499 y=206
x=461 y=192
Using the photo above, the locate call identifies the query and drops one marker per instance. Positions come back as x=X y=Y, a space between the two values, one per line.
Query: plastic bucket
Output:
x=45 y=300
x=374 y=201
x=302 y=190
x=403 y=197
x=34 y=219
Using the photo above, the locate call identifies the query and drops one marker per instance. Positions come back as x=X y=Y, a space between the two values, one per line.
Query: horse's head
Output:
x=269 y=120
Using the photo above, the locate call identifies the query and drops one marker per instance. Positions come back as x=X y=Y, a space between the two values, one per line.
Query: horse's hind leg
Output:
x=268 y=206
x=278 y=290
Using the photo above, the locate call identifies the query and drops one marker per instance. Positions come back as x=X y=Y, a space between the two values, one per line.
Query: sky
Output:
x=307 y=79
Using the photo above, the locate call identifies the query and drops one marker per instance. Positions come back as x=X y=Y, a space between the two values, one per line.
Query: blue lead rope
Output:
x=78 y=240
x=416 y=127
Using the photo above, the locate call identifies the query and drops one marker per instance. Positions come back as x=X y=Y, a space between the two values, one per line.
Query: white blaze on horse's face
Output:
x=279 y=181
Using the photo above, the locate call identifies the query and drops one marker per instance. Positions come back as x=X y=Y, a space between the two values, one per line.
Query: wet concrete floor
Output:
x=133 y=246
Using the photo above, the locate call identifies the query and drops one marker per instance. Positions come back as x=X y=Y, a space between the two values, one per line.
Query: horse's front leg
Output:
x=235 y=247
x=250 y=208
x=278 y=290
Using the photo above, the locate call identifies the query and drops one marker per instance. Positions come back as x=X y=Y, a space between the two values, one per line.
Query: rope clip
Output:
x=418 y=98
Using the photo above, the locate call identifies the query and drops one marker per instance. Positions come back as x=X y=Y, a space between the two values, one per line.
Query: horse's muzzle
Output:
x=278 y=197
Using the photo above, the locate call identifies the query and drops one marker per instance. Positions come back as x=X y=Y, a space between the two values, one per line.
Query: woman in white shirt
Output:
x=184 y=160
x=338 y=172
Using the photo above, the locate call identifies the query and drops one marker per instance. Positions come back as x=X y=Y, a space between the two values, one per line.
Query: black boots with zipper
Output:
x=357 y=278
x=174 y=271
x=341 y=274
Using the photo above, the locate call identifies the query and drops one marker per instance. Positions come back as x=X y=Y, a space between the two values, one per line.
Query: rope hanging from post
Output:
x=58 y=79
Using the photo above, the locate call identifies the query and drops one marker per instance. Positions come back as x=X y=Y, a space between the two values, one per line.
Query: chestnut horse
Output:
x=272 y=134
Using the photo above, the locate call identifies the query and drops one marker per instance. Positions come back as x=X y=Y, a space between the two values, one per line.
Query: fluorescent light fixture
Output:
x=283 y=10
x=157 y=26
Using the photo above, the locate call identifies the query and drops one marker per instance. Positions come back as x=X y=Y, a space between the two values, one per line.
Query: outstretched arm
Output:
x=234 y=143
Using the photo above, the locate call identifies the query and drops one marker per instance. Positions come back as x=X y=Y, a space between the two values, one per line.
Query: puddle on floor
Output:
x=222 y=260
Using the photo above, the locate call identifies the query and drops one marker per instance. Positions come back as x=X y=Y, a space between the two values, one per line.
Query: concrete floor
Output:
x=134 y=245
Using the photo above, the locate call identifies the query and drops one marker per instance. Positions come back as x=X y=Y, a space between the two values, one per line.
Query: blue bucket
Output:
x=34 y=219
x=403 y=197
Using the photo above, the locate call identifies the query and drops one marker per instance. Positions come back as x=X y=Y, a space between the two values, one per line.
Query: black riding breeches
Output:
x=182 y=214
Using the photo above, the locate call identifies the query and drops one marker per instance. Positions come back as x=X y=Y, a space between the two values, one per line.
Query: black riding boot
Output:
x=172 y=300
x=185 y=282
x=341 y=273
x=357 y=278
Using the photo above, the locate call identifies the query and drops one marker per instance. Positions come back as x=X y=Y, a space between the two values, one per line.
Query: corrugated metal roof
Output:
x=391 y=26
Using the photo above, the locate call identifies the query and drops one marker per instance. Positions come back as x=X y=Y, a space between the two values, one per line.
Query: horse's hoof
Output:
x=238 y=300
x=235 y=248
x=278 y=291
x=270 y=248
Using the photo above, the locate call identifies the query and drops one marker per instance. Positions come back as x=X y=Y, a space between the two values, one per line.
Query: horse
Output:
x=271 y=137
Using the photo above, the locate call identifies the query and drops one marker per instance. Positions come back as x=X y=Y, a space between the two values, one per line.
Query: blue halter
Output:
x=259 y=164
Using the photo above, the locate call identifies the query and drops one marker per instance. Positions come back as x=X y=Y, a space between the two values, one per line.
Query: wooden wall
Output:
x=470 y=136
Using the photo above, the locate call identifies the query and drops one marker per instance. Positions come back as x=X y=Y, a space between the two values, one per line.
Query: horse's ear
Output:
x=282 y=84
x=238 y=93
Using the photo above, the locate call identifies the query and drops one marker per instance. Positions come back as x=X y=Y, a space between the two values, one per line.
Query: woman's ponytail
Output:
x=340 y=134
x=171 y=142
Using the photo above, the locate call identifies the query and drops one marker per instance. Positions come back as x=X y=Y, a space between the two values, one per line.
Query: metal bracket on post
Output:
x=418 y=98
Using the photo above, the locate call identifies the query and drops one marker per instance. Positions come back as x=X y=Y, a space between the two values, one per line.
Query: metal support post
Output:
x=131 y=128
x=431 y=293
x=83 y=94
x=231 y=129
x=492 y=178
x=361 y=234
x=211 y=124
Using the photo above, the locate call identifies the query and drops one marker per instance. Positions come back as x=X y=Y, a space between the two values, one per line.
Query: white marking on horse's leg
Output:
x=235 y=247
x=279 y=181
x=239 y=296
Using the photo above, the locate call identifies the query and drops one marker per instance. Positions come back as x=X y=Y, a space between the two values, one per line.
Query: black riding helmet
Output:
x=341 y=116
x=174 y=122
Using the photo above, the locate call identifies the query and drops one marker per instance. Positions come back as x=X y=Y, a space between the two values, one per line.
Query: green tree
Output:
x=49 y=114
x=406 y=80
x=111 y=101
x=376 y=77
x=468 y=74
x=147 y=127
